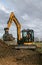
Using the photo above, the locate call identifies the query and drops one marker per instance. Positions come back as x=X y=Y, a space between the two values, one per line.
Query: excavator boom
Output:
x=12 y=18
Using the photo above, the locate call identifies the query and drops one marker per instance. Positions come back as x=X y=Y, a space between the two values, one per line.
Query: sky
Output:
x=28 y=13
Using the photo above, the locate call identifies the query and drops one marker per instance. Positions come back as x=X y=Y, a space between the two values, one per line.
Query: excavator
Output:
x=27 y=34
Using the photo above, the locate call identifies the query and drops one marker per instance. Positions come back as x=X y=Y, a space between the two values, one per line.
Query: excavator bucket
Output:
x=7 y=36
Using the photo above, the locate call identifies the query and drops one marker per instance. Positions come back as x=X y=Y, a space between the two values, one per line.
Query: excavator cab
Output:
x=27 y=36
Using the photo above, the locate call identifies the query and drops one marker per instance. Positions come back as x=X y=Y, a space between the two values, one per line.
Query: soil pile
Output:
x=11 y=56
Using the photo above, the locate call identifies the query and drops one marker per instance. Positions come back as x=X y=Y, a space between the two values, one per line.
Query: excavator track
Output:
x=31 y=47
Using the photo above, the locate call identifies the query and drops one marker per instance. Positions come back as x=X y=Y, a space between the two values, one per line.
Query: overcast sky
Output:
x=28 y=12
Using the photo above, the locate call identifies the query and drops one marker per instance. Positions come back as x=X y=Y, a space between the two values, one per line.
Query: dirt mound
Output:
x=2 y=44
x=3 y=47
x=11 y=56
x=21 y=57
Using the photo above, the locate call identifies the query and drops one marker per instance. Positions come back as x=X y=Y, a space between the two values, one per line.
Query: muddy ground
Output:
x=11 y=56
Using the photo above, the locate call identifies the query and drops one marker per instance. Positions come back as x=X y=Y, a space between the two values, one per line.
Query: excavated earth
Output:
x=11 y=56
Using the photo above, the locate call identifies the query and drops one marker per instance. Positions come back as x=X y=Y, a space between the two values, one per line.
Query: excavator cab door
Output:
x=24 y=35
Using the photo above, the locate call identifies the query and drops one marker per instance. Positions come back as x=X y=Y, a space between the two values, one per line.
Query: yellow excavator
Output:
x=27 y=34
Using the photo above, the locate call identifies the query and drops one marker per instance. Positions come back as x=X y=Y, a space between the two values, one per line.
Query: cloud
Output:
x=30 y=25
x=6 y=10
x=2 y=7
x=25 y=17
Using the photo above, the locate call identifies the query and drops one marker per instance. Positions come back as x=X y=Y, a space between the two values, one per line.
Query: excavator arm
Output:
x=12 y=18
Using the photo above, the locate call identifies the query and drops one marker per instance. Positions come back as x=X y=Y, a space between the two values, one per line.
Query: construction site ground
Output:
x=11 y=56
